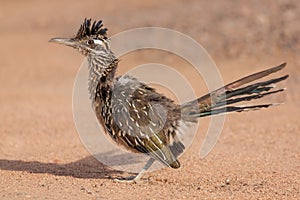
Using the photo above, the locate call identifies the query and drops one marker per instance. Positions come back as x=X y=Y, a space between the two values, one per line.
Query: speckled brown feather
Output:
x=138 y=118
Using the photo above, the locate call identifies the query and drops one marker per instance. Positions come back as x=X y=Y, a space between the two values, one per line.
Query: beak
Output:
x=64 y=41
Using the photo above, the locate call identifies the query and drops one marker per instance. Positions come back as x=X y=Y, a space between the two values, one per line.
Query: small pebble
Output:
x=227 y=181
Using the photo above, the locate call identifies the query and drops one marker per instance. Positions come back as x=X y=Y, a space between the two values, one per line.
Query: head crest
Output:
x=88 y=29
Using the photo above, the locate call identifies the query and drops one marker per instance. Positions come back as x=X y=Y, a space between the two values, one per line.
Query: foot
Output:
x=135 y=179
x=130 y=179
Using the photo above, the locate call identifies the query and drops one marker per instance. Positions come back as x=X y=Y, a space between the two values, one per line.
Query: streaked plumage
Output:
x=141 y=120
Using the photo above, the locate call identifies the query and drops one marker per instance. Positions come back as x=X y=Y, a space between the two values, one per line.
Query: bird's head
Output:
x=91 y=39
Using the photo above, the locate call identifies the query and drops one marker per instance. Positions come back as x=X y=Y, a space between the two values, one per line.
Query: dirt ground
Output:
x=41 y=155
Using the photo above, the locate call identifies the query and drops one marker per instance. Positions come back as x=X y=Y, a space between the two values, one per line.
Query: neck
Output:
x=101 y=73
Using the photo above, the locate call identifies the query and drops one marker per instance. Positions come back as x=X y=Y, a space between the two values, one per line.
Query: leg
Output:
x=134 y=179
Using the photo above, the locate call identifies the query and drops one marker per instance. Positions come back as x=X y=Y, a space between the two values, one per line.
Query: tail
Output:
x=220 y=100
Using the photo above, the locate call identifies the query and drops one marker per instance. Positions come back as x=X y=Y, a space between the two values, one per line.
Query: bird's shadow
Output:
x=87 y=167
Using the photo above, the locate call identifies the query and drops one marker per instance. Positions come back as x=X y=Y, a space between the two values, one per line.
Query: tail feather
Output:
x=217 y=101
x=255 y=88
x=246 y=98
x=254 y=77
x=229 y=109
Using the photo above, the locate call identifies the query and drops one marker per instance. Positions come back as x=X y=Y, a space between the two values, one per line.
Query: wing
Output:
x=146 y=120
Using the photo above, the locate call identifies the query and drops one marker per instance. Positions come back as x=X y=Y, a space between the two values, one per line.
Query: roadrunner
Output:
x=140 y=119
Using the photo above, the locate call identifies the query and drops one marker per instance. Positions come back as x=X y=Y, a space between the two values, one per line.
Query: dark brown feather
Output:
x=87 y=29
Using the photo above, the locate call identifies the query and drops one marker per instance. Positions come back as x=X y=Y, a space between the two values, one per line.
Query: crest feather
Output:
x=87 y=29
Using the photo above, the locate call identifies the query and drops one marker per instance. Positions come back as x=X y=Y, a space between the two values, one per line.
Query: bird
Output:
x=140 y=119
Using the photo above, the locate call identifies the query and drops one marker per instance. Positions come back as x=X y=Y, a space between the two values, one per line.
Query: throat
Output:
x=100 y=77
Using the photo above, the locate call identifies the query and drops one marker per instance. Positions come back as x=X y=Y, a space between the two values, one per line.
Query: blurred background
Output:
x=39 y=148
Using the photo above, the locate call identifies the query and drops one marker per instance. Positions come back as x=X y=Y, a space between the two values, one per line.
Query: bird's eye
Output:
x=90 y=42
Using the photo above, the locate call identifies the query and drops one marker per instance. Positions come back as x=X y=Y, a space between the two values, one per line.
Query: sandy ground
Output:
x=41 y=155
